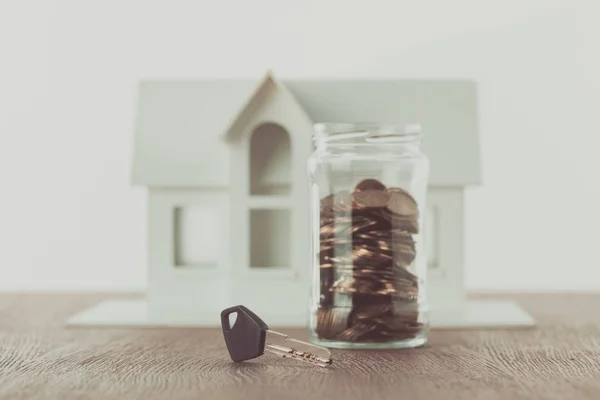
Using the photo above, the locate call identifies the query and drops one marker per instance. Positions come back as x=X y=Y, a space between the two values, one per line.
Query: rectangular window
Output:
x=196 y=237
x=269 y=238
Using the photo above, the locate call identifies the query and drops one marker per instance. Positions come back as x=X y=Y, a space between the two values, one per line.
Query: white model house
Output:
x=225 y=167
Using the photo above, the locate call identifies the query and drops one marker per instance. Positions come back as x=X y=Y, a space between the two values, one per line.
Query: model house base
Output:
x=135 y=313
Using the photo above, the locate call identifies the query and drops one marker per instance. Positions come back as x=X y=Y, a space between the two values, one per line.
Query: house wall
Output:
x=445 y=243
x=182 y=285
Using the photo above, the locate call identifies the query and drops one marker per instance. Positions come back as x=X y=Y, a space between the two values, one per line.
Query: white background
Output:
x=68 y=73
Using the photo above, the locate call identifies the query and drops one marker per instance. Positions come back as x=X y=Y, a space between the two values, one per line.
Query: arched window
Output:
x=270 y=175
x=270 y=161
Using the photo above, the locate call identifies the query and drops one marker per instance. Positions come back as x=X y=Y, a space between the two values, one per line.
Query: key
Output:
x=250 y=337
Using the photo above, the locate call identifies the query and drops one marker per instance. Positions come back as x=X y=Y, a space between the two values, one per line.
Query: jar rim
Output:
x=367 y=131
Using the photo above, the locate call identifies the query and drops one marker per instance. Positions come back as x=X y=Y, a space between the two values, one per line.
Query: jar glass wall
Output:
x=368 y=185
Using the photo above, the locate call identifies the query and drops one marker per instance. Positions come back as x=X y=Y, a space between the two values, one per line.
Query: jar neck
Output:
x=366 y=138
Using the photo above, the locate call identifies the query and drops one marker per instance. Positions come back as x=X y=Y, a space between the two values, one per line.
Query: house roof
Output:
x=181 y=125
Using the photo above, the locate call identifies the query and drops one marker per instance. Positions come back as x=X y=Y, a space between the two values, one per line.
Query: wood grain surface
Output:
x=41 y=359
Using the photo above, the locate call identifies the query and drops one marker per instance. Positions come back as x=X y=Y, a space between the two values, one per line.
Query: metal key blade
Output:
x=297 y=349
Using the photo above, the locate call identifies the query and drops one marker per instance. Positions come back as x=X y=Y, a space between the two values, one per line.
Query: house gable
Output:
x=270 y=102
x=273 y=123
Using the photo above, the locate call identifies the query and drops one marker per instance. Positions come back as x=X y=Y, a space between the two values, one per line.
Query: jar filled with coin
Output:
x=368 y=185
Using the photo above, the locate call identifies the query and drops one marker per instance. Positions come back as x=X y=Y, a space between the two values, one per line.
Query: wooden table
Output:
x=39 y=358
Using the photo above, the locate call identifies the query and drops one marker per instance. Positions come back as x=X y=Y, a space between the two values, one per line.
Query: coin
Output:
x=371 y=198
x=362 y=224
x=410 y=225
x=406 y=274
x=327 y=201
x=366 y=251
x=342 y=201
x=355 y=332
x=331 y=321
x=326 y=264
x=326 y=215
x=396 y=325
x=370 y=184
x=402 y=203
x=352 y=285
x=333 y=242
x=366 y=255
x=336 y=219
x=369 y=311
x=404 y=311
x=385 y=243
x=404 y=254
x=378 y=273
x=372 y=285
x=404 y=331
x=403 y=261
x=335 y=230
x=390 y=234
x=400 y=190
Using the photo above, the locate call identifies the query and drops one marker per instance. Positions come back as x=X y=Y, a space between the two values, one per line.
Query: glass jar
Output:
x=368 y=184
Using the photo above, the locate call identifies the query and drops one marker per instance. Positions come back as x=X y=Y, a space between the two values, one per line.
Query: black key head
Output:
x=246 y=338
